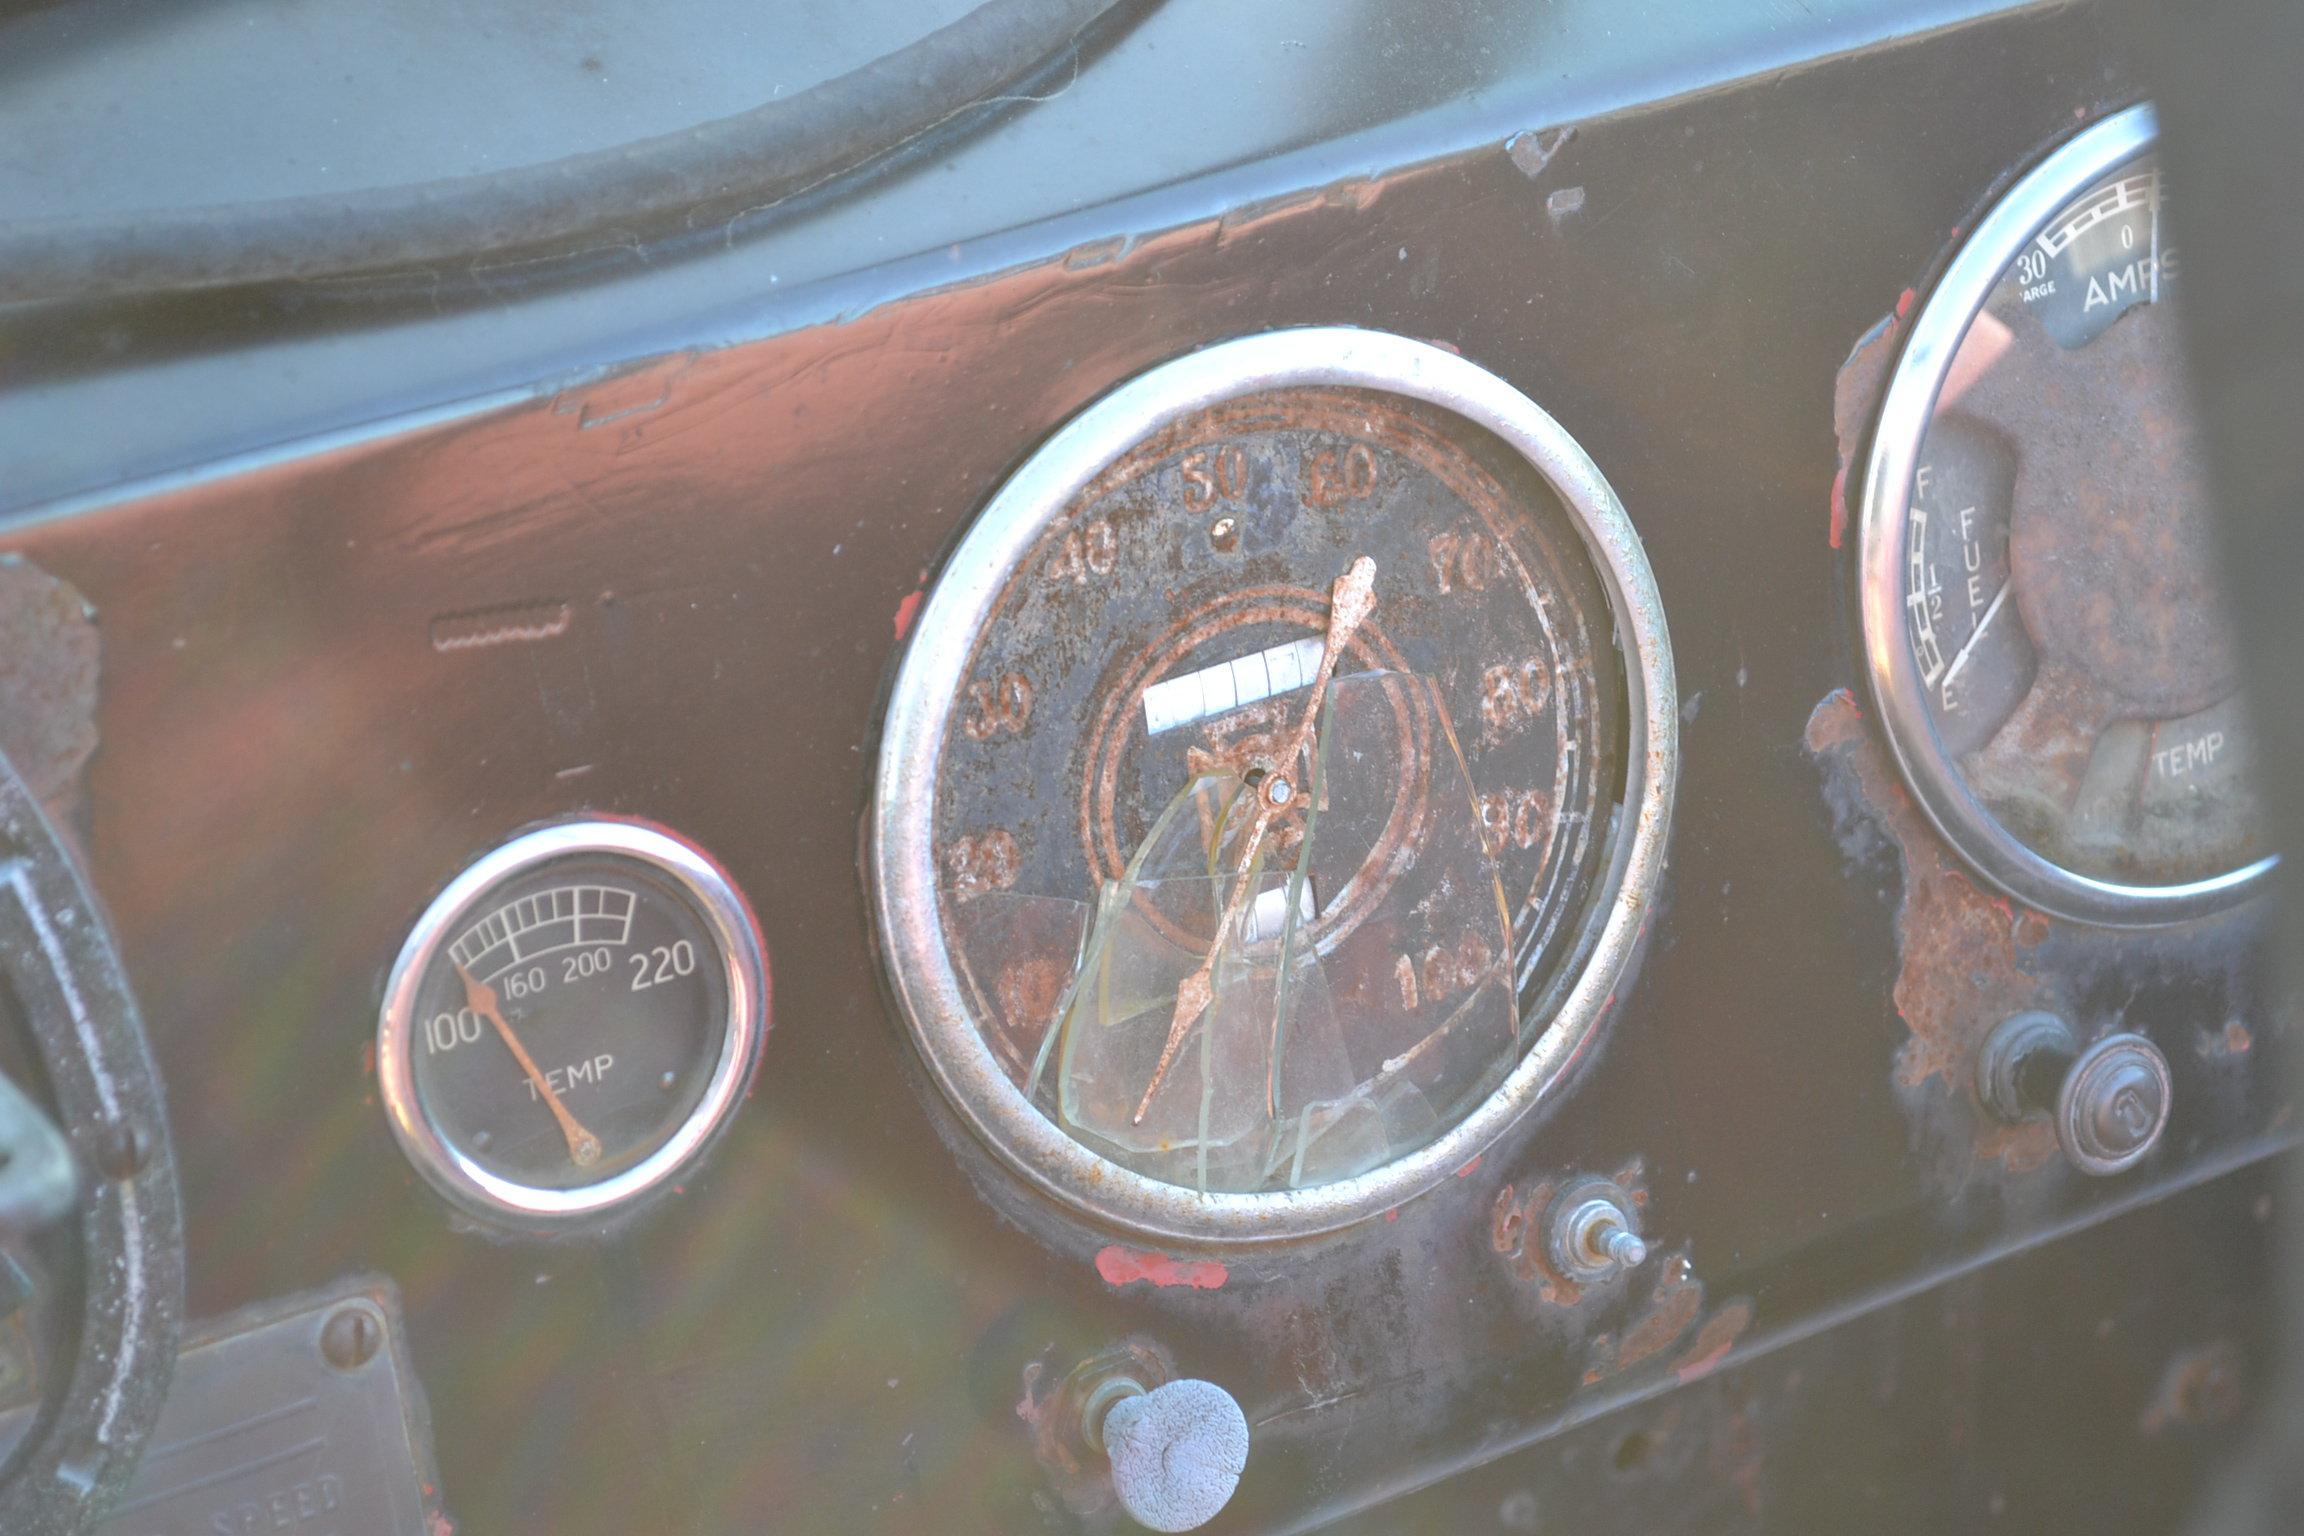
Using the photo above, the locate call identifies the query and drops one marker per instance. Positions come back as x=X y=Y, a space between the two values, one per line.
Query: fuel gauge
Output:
x=2043 y=612
x=572 y=1020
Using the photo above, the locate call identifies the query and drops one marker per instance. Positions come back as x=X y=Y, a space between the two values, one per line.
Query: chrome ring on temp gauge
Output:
x=572 y=1021
x=1274 y=787
x=2043 y=619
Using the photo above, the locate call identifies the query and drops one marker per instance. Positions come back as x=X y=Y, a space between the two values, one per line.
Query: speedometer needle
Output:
x=1349 y=604
x=583 y=1146
x=1960 y=658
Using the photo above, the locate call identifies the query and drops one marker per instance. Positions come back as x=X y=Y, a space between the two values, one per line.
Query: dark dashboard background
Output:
x=723 y=476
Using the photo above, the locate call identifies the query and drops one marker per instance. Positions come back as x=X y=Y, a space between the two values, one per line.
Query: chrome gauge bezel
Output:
x=742 y=956
x=901 y=863
x=1907 y=409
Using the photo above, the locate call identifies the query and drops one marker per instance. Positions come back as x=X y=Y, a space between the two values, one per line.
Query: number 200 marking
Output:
x=663 y=963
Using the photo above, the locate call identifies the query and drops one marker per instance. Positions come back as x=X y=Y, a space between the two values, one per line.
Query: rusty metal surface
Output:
x=1968 y=958
x=2095 y=1388
x=2112 y=560
x=700 y=571
x=1214 y=540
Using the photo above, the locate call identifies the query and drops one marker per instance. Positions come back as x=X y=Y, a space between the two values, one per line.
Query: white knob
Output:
x=1177 y=1452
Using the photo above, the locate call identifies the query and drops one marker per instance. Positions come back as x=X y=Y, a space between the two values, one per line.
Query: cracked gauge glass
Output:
x=2047 y=631
x=572 y=1020
x=1272 y=784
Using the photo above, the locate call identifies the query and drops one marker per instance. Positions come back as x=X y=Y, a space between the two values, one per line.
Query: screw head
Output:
x=1279 y=791
x=350 y=1338
x=2114 y=1104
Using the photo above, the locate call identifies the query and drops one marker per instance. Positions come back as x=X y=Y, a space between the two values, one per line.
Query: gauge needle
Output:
x=1349 y=604
x=1960 y=658
x=583 y=1146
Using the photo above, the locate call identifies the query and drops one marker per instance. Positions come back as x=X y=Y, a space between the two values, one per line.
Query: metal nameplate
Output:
x=299 y=1415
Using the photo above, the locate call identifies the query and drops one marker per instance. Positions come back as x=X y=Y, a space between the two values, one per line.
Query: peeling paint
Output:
x=1532 y=152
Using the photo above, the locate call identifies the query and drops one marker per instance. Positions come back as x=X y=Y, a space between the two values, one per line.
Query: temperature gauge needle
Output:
x=1349 y=605
x=583 y=1146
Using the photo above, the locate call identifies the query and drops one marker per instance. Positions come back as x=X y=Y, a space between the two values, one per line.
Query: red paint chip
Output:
x=1122 y=1266
x=907 y=611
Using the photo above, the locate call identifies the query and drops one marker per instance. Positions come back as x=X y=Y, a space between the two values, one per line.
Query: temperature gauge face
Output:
x=2048 y=632
x=1273 y=785
x=572 y=1020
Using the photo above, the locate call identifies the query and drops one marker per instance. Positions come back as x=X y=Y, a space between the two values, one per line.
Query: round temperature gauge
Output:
x=2045 y=625
x=1274 y=786
x=572 y=1020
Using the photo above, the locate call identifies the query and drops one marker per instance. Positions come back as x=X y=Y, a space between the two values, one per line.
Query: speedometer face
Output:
x=2048 y=633
x=571 y=1020
x=1265 y=784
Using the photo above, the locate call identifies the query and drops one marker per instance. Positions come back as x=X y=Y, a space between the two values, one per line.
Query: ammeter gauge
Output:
x=1273 y=786
x=2042 y=615
x=572 y=1020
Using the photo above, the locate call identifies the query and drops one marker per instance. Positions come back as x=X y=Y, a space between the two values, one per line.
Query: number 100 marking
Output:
x=446 y=1031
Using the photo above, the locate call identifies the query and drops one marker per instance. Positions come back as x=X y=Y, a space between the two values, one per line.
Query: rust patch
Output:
x=1518 y=1229
x=2202 y=1387
x=1855 y=390
x=1672 y=1310
x=2226 y=1043
x=49 y=655
x=1962 y=952
x=1713 y=1341
x=1051 y=1408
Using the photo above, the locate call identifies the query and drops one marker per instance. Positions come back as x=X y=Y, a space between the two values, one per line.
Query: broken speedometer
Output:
x=1273 y=785
x=2045 y=626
